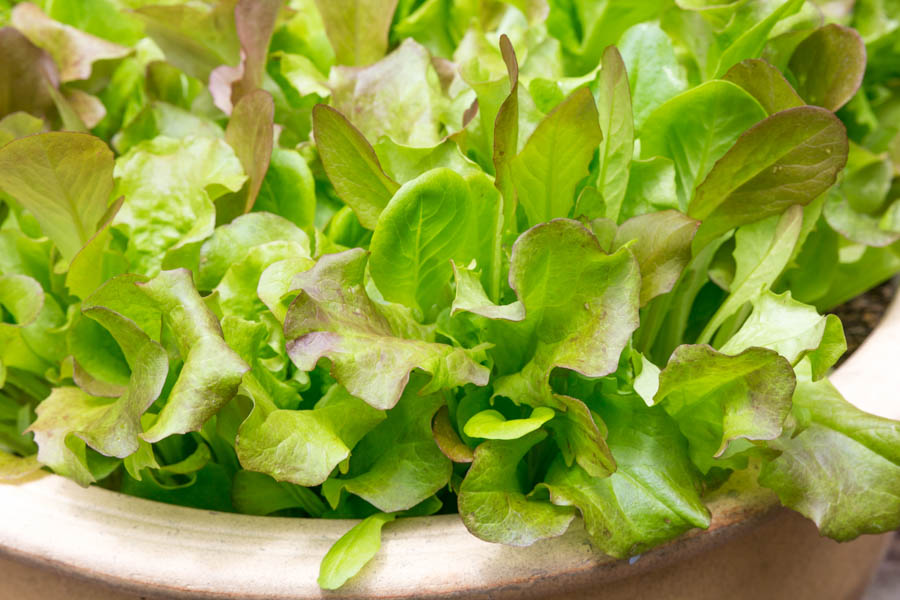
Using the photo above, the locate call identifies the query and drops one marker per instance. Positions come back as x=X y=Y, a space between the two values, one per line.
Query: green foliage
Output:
x=357 y=259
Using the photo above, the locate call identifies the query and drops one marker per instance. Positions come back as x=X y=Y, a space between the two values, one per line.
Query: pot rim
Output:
x=140 y=546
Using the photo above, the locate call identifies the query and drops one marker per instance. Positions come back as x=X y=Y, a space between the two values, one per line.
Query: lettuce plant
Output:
x=531 y=261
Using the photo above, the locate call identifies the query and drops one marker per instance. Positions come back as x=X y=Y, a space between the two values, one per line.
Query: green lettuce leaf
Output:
x=720 y=400
x=64 y=179
x=839 y=466
x=493 y=503
x=653 y=496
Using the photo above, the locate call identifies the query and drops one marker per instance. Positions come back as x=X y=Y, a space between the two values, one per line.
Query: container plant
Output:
x=533 y=262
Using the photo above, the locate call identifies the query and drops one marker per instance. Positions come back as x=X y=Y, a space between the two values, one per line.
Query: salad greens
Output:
x=527 y=260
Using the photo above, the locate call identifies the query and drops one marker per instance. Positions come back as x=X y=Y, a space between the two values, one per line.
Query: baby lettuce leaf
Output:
x=73 y=50
x=696 y=128
x=506 y=132
x=839 y=466
x=69 y=417
x=212 y=371
x=651 y=187
x=196 y=38
x=64 y=179
x=617 y=125
x=230 y=243
x=358 y=30
x=399 y=96
x=492 y=425
x=334 y=317
x=662 y=247
x=397 y=465
x=765 y=83
x=288 y=189
x=829 y=66
x=31 y=72
x=177 y=178
x=493 y=502
x=254 y=23
x=351 y=165
x=250 y=133
x=584 y=28
x=423 y=227
x=654 y=72
x=790 y=158
x=447 y=439
x=654 y=494
x=762 y=251
x=718 y=399
x=792 y=329
x=556 y=157
x=352 y=551
x=301 y=446
x=580 y=305
x=471 y=298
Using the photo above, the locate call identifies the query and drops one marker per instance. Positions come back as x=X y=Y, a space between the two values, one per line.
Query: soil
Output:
x=862 y=314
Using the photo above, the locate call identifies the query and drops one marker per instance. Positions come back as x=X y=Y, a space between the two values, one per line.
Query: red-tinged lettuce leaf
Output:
x=254 y=24
x=397 y=464
x=719 y=400
x=399 y=96
x=662 y=247
x=829 y=66
x=653 y=496
x=765 y=83
x=29 y=71
x=178 y=178
x=789 y=158
x=447 y=438
x=333 y=317
x=696 y=128
x=839 y=466
x=493 y=502
x=358 y=29
x=506 y=132
x=212 y=371
x=556 y=157
x=251 y=134
x=70 y=418
x=195 y=37
x=73 y=50
x=794 y=330
x=581 y=307
x=64 y=179
x=617 y=124
x=351 y=165
x=302 y=446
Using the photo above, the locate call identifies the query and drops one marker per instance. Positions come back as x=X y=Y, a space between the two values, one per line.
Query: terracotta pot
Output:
x=61 y=541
